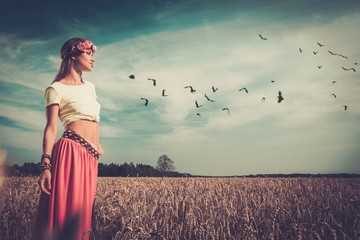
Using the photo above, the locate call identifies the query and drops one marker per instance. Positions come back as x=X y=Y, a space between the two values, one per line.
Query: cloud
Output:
x=256 y=136
x=217 y=55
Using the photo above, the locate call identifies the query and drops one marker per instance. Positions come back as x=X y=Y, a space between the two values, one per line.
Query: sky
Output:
x=311 y=54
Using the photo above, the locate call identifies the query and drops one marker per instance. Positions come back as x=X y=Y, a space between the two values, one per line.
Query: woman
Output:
x=70 y=164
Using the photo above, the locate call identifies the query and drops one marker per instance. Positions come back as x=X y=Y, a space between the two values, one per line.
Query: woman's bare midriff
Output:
x=89 y=130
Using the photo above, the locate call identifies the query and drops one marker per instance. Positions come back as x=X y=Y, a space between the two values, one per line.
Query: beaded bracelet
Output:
x=44 y=155
x=45 y=166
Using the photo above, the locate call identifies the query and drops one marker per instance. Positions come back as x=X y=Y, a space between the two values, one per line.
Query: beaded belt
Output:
x=77 y=138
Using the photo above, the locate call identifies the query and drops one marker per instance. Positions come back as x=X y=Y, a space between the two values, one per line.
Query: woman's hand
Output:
x=45 y=182
x=101 y=150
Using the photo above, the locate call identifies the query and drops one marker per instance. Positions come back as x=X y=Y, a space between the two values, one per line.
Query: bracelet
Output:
x=45 y=166
x=44 y=155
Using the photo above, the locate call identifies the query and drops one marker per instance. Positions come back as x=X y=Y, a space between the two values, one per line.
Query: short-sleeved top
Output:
x=76 y=102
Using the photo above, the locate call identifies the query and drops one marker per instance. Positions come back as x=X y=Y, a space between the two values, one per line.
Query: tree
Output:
x=165 y=164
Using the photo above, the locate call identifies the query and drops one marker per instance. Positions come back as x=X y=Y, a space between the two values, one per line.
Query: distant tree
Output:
x=165 y=168
x=165 y=164
x=30 y=169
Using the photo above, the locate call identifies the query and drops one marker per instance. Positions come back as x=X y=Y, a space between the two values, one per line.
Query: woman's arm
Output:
x=49 y=138
x=50 y=131
x=98 y=143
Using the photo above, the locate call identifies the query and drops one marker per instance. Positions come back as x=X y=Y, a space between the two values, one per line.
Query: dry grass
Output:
x=203 y=208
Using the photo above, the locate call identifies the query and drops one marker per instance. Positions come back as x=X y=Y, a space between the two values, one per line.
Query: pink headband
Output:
x=83 y=46
x=80 y=47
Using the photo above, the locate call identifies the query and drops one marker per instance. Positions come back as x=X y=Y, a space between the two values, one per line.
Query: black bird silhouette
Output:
x=345 y=107
x=337 y=54
x=320 y=66
x=192 y=90
x=262 y=38
x=132 y=76
x=227 y=110
x=146 y=101
x=263 y=99
x=348 y=69
x=154 y=81
x=333 y=95
x=207 y=98
x=280 y=97
x=356 y=63
x=300 y=50
x=272 y=81
x=321 y=45
x=315 y=52
x=244 y=89
x=198 y=114
x=163 y=93
x=214 y=89
x=333 y=82
x=197 y=104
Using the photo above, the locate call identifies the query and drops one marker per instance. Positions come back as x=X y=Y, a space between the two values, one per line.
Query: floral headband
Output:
x=83 y=46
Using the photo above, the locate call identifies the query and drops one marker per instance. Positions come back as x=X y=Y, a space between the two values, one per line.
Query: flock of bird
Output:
x=320 y=66
x=280 y=97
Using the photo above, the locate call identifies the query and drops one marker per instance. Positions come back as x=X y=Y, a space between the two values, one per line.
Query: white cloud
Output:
x=237 y=59
x=228 y=55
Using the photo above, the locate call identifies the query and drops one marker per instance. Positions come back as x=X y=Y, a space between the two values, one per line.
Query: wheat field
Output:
x=202 y=208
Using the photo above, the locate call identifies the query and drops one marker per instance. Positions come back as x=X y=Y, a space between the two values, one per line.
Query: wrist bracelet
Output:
x=44 y=155
x=45 y=166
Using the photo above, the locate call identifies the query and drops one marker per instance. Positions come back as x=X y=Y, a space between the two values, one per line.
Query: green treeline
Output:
x=105 y=170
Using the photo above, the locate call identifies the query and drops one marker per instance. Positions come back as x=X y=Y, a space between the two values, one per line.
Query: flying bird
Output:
x=345 y=107
x=207 y=98
x=192 y=90
x=315 y=52
x=280 y=97
x=337 y=54
x=321 y=45
x=146 y=101
x=333 y=95
x=198 y=114
x=263 y=99
x=333 y=82
x=342 y=56
x=197 y=104
x=214 y=89
x=272 y=81
x=320 y=66
x=154 y=81
x=244 y=89
x=262 y=38
x=163 y=93
x=348 y=69
x=132 y=76
x=227 y=110
x=300 y=50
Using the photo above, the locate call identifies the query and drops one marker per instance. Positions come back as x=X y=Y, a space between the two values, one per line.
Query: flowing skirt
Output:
x=73 y=187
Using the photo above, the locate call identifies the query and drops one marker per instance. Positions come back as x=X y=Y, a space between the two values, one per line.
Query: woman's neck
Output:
x=73 y=78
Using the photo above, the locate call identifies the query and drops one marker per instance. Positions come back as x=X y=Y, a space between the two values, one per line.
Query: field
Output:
x=203 y=208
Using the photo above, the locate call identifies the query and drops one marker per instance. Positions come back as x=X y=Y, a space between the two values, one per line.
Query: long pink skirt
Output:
x=73 y=186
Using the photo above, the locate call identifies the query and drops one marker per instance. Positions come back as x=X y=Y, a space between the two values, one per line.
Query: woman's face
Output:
x=85 y=61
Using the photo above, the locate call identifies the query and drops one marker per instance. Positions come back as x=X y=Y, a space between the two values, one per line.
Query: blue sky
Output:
x=202 y=44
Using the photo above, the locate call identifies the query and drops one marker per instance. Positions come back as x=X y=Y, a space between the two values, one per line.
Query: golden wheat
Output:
x=203 y=208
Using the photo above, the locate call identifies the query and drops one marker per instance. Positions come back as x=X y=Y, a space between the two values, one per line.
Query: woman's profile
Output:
x=69 y=165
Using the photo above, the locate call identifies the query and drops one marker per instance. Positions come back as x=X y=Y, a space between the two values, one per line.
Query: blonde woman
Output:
x=70 y=164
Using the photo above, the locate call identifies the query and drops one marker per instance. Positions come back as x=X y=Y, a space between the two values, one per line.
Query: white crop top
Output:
x=76 y=102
